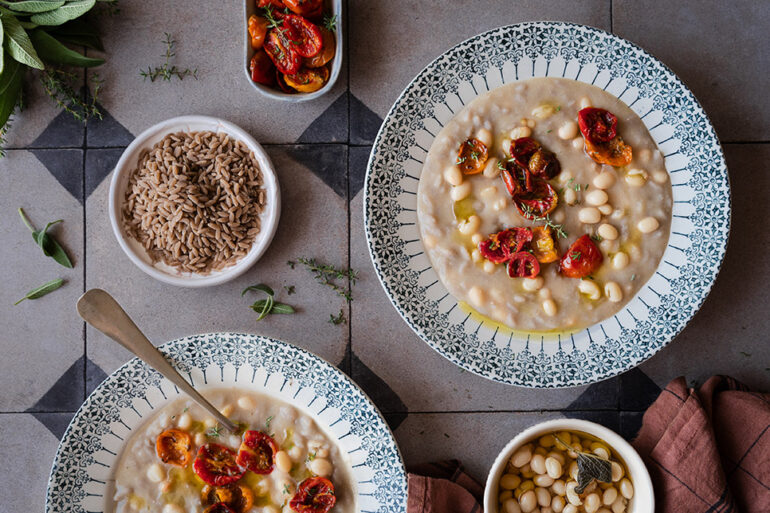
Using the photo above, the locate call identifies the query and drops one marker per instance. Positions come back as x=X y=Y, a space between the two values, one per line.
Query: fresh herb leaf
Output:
x=265 y=307
x=324 y=274
x=500 y=165
x=289 y=289
x=475 y=155
x=291 y=263
x=558 y=108
x=597 y=237
x=590 y=467
x=267 y=423
x=558 y=228
x=42 y=290
x=311 y=456
x=633 y=277
x=272 y=21
x=264 y=288
x=167 y=71
x=548 y=131
x=277 y=308
x=214 y=432
x=330 y=22
x=339 y=319
x=575 y=255
x=49 y=245
x=460 y=160
x=286 y=489
x=185 y=410
x=61 y=85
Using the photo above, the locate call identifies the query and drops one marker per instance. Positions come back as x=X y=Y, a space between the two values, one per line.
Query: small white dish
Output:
x=250 y=7
x=643 y=500
x=128 y=163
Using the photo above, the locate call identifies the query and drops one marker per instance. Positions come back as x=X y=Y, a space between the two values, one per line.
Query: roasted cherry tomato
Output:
x=216 y=465
x=544 y=164
x=597 y=125
x=581 y=259
x=613 y=153
x=328 y=49
x=257 y=452
x=219 y=507
x=280 y=50
x=257 y=30
x=538 y=202
x=306 y=36
x=523 y=265
x=500 y=246
x=280 y=78
x=174 y=446
x=307 y=8
x=511 y=182
x=522 y=149
x=543 y=246
x=308 y=80
x=274 y=4
x=262 y=68
x=314 y=495
x=472 y=156
x=237 y=497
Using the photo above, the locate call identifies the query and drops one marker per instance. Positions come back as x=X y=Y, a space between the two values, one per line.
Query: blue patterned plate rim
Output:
x=77 y=476
x=694 y=160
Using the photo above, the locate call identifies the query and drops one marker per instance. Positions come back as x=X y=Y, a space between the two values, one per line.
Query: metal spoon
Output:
x=101 y=311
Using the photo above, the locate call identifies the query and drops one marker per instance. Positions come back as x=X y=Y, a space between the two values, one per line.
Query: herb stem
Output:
x=26 y=221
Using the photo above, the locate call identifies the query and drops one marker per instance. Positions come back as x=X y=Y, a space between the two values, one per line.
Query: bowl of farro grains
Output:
x=194 y=201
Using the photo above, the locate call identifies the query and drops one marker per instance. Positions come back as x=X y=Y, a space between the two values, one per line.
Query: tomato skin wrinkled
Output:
x=257 y=452
x=274 y=4
x=613 y=153
x=262 y=68
x=328 y=49
x=307 y=80
x=522 y=149
x=544 y=164
x=215 y=464
x=581 y=259
x=174 y=447
x=543 y=246
x=500 y=246
x=314 y=495
x=597 y=125
x=305 y=36
x=279 y=49
x=537 y=203
x=219 y=507
x=307 y=8
x=257 y=31
x=472 y=156
x=237 y=497
x=523 y=265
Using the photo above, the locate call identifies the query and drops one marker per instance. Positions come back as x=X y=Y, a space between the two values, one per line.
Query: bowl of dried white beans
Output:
x=194 y=201
x=568 y=466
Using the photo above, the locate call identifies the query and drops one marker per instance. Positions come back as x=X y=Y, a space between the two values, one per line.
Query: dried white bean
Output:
x=659 y=176
x=619 y=506
x=511 y=506
x=484 y=136
x=549 y=307
x=491 y=170
x=488 y=193
x=557 y=504
x=648 y=225
x=172 y=508
x=505 y=145
x=606 y=209
x=227 y=410
x=617 y=471
x=626 y=488
x=246 y=403
x=509 y=481
x=543 y=480
x=558 y=456
x=470 y=225
x=321 y=467
x=476 y=296
x=522 y=456
x=590 y=289
x=570 y=196
x=543 y=497
x=489 y=267
x=571 y=495
x=620 y=260
x=532 y=284
x=592 y=503
x=545 y=293
x=528 y=501
x=604 y=180
x=568 y=130
x=569 y=508
x=460 y=192
x=602 y=452
x=607 y=231
x=553 y=466
x=609 y=496
x=636 y=177
x=584 y=102
x=185 y=421
x=577 y=143
x=476 y=238
x=500 y=204
x=546 y=441
x=283 y=461
x=537 y=463
x=507 y=494
x=155 y=473
x=521 y=131
x=597 y=197
x=559 y=487
x=589 y=215
x=615 y=294
x=453 y=175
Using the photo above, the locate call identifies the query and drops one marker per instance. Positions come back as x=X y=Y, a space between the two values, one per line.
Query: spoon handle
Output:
x=100 y=310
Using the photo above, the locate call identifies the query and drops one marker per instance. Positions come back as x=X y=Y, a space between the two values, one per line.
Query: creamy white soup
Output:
x=182 y=461
x=545 y=205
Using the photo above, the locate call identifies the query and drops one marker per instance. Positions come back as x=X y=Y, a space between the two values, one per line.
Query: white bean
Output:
x=557 y=504
x=507 y=494
x=538 y=464
x=620 y=260
x=619 y=506
x=543 y=480
x=247 y=403
x=453 y=175
x=607 y=231
x=570 y=196
x=528 y=501
x=589 y=215
x=626 y=488
x=559 y=487
x=488 y=193
x=476 y=238
x=592 y=290
x=544 y=111
x=570 y=508
x=565 y=176
x=648 y=225
x=553 y=466
x=592 y=503
x=585 y=102
x=485 y=136
x=511 y=506
x=577 y=143
x=615 y=294
x=155 y=473
x=505 y=145
x=572 y=495
x=185 y=421
x=321 y=467
x=491 y=170
x=602 y=452
x=617 y=471
x=283 y=461
x=609 y=496
x=597 y=197
x=460 y=192
x=476 y=296
x=604 y=180
x=522 y=456
x=509 y=481
x=532 y=284
x=659 y=176
x=172 y=508
x=636 y=177
x=470 y=225
x=489 y=267
x=520 y=131
x=558 y=456
x=549 y=307
x=545 y=293
x=543 y=497
x=500 y=204
x=227 y=410
x=568 y=130
x=476 y=255
x=606 y=209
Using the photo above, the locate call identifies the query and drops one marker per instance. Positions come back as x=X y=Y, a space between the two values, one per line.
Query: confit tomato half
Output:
x=544 y=164
x=314 y=495
x=215 y=464
x=262 y=68
x=522 y=149
x=273 y=4
x=280 y=51
x=472 y=156
x=307 y=8
x=597 y=125
x=237 y=497
x=307 y=80
x=538 y=202
x=305 y=36
x=257 y=30
x=581 y=259
x=174 y=447
x=328 y=49
x=613 y=153
x=515 y=178
x=523 y=265
x=257 y=452
x=543 y=246
x=219 y=507
x=500 y=246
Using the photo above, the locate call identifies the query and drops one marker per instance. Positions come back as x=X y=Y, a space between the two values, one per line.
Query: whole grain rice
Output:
x=194 y=201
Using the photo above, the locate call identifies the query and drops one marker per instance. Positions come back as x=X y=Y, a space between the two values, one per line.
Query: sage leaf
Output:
x=278 y=308
x=65 y=13
x=42 y=290
x=2 y=52
x=49 y=245
x=264 y=288
x=17 y=42
x=266 y=308
x=78 y=32
x=34 y=6
x=49 y=49
x=590 y=467
x=10 y=88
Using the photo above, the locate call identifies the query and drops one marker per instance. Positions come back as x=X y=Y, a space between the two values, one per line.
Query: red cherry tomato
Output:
x=306 y=36
x=500 y=246
x=174 y=446
x=274 y=4
x=581 y=259
x=544 y=164
x=262 y=68
x=237 y=497
x=613 y=153
x=307 y=8
x=257 y=30
x=511 y=183
x=308 y=80
x=314 y=495
x=280 y=78
x=597 y=125
x=219 y=507
x=328 y=49
x=523 y=265
x=522 y=149
x=257 y=452
x=279 y=49
x=215 y=465
x=538 y=202
x=472 y=156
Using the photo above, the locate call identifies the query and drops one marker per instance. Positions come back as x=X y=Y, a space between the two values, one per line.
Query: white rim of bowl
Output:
x=641 y=479
x=269 y=217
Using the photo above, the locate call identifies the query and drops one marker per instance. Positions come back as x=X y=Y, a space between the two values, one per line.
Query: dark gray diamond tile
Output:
x=94 y=376
x=99 y=163
x=630 y=423
x=328 y=162
x=358 y=160
x=331 y=125
x=66 y=166
x=56 y=423
x=66 y=394
x=364 y=123
x=62 y=131
x=637 y=390
x=107 y=131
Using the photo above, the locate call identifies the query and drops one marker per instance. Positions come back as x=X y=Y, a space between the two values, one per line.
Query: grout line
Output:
x=612 y=24
x=85 y=232
x=347 y=203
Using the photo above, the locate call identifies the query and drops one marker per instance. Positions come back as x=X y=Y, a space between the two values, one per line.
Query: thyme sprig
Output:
x=325 y=274
x=558 y=228
x=338 y=319
x=58 y=85
x=330 y=22
x=167 y=71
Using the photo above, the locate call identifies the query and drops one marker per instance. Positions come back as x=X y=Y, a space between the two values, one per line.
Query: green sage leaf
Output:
x=10 y=88
x=42 y=290
x=78 y=32
x=266 y=308
x=590 y=467
x=278 y=308
x=17 y=42
x=49 y=245
x=264 y=288
x=63 y=14
x=2 y=52
x=49 y=49
x=34 y=6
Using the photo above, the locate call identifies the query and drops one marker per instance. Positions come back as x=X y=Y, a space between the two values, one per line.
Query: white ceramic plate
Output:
x=128 y=163
x=677 y=123
x=82 y=473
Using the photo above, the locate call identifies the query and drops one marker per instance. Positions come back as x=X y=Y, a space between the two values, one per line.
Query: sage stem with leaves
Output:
x=265 y=307
x=49 y=245
x=42 y=290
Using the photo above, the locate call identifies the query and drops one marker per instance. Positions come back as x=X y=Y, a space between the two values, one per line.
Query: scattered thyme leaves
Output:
x=267 y=423
x=597 y=237
x=326 y=274
x=633 y=277
x=286 y=489
x=330 y=22
x=60 y=86
x=311 y=456
x=167 y=71
x=460 y=160
x=289 y=289
x=338 y=319
x=558 y=228
x=575 y=255
x=214 y=432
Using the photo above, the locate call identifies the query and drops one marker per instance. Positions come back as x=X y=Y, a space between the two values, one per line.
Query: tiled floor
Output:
x=57 y=168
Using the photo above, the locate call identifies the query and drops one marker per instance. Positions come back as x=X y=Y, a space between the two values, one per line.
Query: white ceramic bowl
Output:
x=128 y=163
x=250 y=8
x=643 y=500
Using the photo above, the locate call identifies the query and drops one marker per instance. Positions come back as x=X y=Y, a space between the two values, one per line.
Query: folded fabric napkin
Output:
x=708 y=450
